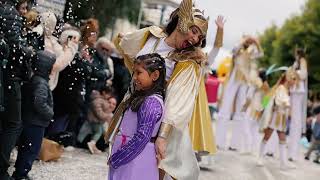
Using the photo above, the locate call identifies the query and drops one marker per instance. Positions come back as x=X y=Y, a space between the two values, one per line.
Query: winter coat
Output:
x=11 y=29
x=37 y=107
x=99 y=109
x=4 y=54
x=121 y=79
x=14 y=53
x=35 y=40
x=64 y=54
x=100 y=74
x=68 y=95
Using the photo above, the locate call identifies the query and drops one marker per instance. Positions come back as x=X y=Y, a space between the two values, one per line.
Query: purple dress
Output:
x=133 y=155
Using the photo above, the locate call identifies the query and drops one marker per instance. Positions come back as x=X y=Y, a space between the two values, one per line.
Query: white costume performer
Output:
x=298 y=99
x=256 y=91
x=275 y=116
x=235 y=94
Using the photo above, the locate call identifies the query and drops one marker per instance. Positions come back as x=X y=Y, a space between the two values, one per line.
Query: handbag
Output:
x=50 y=150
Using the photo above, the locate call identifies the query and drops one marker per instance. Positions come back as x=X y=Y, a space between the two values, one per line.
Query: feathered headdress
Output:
x=189 y=16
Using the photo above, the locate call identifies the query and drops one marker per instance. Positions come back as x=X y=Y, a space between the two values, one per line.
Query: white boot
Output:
x=260 y=161
x=284 y=164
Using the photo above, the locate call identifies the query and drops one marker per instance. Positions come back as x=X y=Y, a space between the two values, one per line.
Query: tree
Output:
x=299 y=30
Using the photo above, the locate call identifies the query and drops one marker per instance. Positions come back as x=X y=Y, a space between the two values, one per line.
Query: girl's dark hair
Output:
x=173 y=23
x=151 y=63
x=262 y=75
x=106 y=89
x=21 y=2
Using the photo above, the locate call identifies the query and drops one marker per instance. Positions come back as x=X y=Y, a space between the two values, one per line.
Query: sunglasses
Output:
x=106 y=49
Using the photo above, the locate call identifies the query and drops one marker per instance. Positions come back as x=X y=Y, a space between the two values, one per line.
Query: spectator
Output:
x=315 y=144
x=17 y=57
x=22 y=7
x=89 y=33
x=100 y=112
x=121 y=79
x=35 y=39
x=68 y=38
x=64 y=52
x=37 y=114
x=104 y=49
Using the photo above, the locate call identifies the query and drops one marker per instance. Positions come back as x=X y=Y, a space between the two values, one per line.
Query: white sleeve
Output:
x=111 y=68
x=212 y=55
x=65 y=58
x=303 y=72
x=282 y=97
x=180 y=97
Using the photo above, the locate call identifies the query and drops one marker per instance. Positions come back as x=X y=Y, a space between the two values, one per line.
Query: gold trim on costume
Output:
x=282 y=142
x=165 y=130
x=280 y=119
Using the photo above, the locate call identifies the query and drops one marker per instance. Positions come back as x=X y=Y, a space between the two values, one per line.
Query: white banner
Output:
x=55 y=6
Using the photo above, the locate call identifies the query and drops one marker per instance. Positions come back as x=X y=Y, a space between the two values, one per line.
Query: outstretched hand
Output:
x=220 y=21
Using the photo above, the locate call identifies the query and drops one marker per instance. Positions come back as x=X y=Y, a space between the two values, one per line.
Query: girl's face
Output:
x=23 y=9
x=113 y=103
x=292 y=82
x=191 y=38
x=143 y=80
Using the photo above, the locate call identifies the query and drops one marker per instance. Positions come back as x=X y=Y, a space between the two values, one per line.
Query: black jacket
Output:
x=4 y=54
x=11 y=28
x=68 y=96
x=37 y=107
x=121 y=79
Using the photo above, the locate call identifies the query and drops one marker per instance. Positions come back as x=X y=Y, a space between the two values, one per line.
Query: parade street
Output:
x=227 y=165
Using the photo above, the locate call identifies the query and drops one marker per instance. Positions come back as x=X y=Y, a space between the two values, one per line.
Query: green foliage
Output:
x=106 y=11
x=299 y=30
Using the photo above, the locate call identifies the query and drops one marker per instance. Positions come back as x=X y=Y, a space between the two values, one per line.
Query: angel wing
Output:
x=185 y=15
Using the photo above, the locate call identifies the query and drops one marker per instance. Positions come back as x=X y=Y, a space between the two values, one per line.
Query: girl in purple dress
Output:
x=133 y=154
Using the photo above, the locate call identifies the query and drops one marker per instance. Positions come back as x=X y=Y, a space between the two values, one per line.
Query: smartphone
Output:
x=70 y=38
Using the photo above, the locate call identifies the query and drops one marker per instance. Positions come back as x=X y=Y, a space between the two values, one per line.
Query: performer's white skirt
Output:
x=278 y=122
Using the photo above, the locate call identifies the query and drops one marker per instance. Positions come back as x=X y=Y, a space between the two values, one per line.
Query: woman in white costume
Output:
x=298 y=98
x=275 y=116
x=235 y=92
x=255 y=109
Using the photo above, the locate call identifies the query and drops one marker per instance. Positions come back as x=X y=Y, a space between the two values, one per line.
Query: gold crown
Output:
x=188 y=17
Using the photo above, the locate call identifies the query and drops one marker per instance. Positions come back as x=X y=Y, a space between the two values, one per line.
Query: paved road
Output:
x=80 y=165
x=234 y=166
